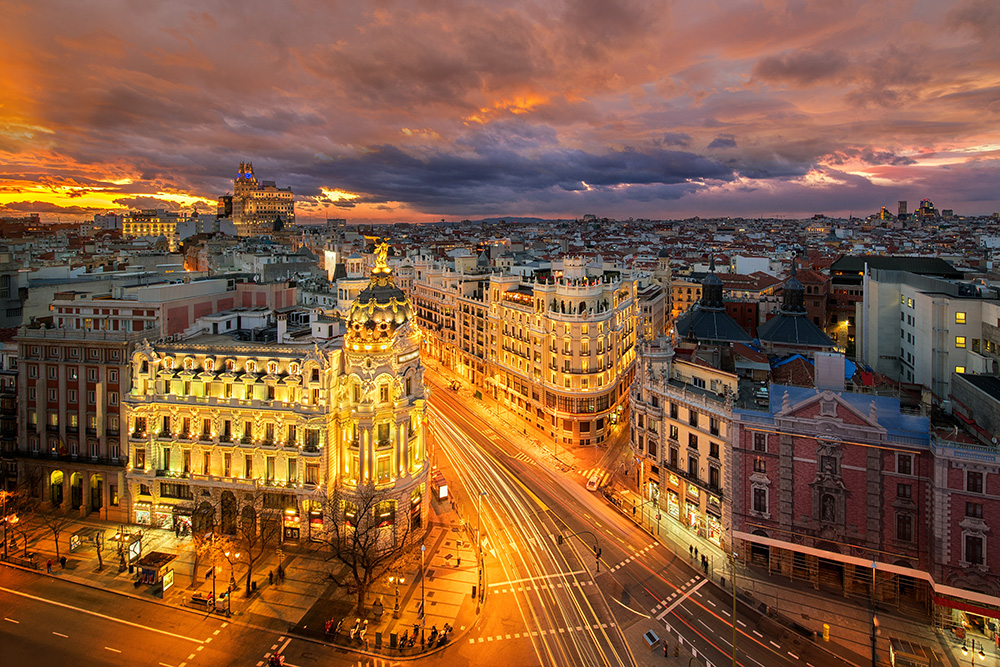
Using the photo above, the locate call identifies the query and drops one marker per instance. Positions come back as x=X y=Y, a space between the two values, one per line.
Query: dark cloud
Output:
x=148 y=203
x=801 y=68
x=868 y=156
x=723 y=141
x=674 y=139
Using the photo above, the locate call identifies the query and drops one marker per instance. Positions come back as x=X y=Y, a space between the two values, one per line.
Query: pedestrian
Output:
x=691 y=550
x=458 y=562
x=281 y=573
x=48 y=566
x=696 y=552
x=62 y=562
x=270 y=577
x=666 y=649
x=177 y=530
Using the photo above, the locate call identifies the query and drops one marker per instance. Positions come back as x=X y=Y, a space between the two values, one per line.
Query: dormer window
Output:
x=251 y=366
x=168 y=363
x=210 y=364
x=293 y=368
x=272 y=367
x=189 y=364
x=230 y=365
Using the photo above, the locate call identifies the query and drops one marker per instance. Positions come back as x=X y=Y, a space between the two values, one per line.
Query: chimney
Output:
x=282 y=326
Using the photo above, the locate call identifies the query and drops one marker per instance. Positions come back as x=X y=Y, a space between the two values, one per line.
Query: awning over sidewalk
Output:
x=966 y=607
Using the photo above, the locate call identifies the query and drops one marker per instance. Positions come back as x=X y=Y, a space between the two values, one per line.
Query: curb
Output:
x=743 y=603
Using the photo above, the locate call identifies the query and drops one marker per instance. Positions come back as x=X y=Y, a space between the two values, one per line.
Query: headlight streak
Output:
x=514 y=518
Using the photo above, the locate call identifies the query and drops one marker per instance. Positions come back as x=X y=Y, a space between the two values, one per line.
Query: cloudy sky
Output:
x=431 y=109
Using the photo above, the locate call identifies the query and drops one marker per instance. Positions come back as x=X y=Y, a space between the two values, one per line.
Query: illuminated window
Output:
x=959 y=369
x=959 y=341
x=902 y=299
x=209 y=364
x=959 y=318
x=909 y=302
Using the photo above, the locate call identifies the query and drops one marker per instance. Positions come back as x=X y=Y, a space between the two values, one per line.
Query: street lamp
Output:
x=397 y=581
x=734 y=557
x=423 y=616
x=966 y=651
x=4 y=494
x=479 y=543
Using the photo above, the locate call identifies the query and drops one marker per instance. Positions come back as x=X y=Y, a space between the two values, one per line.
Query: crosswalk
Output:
x=545 y=587
x=690 y=586
x=540 y=633
x=524 y=458
x=633 y=557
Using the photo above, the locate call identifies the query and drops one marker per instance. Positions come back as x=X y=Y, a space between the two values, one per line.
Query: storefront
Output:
x=714 y=530
x=182 y=519
x=673 y=504
x=314 y=510
x=163 y=517
x=143 y=513
x=292 y=528
x=692 y=516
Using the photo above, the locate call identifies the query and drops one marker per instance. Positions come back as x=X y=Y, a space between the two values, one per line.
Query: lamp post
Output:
x=966 y=651
x=423 y=616
x=734 y=557
x=397 y=581
x=5 y=521
x=479 y=543
x=871 y=603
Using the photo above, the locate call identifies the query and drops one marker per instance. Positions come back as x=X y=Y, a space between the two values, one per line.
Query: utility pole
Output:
x=734 y=557
x=874 y=618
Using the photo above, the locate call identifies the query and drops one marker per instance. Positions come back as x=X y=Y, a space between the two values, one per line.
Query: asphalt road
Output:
x=641 y=584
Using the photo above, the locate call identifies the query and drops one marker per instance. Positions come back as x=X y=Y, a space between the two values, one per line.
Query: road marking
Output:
x=544 y=576
x=59 y=634
x=191 y=657
x=10 y=620
x=113 y=650
x=163 y=664
x=217 y=632
x=758 y=634
x=666 y=612
x=741 y=622
x=99 y=615
x=775 y=644
x=793 y=655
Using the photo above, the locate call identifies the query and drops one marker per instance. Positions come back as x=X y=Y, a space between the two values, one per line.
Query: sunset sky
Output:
x=432 y=109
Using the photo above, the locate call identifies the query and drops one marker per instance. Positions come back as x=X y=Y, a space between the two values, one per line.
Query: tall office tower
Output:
x=902 y=209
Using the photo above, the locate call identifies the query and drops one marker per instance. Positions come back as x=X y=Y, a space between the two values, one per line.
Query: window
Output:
x=974 y=549
x=92 y=374
x=959 y=318
x=692 y=441
x=693 y=467
x=760 y=500
x=113 y=377
x=112 y=398
x=713 y=450
x=693 y=418
x=673 y=457
x=974 y=482
x=759 y=464
x=291 y=435
x=31 y=393
x=904 y=527
x=52 y=372
x=713 y=477
x=166 y=458
x=91 y=397
x=713 y=425
x=173 y=490
x=32 y=372
x=974 y=510
x=293 y=470
x=674 y=432
x=652 y=448
x=673 y=411
x=904 y=464
x=760 y=442
x=639 y=420
x=248 y=466
x=960 y=341
x=312 y=473
x=959 y=369
x=206 y=428
x=140 y=458
x=206 y=463
x=227 y=464
x=904 y=491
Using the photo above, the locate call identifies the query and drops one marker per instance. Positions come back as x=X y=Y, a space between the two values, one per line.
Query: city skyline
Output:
x=423 y=111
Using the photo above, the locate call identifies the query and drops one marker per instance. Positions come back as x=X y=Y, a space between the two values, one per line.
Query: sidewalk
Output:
x=446 y=590
x=799 y=603
x=304 y=600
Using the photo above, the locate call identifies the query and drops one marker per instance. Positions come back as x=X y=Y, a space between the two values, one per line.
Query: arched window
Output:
x=293 y=368
x=230 y=365
x=272 y=367
x=251 y=366
x=168 y=363
x=210 y=364
x=188 y=364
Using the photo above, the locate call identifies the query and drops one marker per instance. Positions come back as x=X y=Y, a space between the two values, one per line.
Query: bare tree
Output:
x=56 y=521
x=361 y=533
x=23 y=506
x=258 y=527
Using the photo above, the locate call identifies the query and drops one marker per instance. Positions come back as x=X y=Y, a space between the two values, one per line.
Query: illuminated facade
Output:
x=257 y=206
x=681 y=436
x=152 y=223
x=210 y=419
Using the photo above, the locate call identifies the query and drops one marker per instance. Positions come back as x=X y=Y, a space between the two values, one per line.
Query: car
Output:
x=594 y=481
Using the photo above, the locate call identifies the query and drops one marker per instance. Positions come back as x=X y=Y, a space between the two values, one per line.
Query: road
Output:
x=641 y=585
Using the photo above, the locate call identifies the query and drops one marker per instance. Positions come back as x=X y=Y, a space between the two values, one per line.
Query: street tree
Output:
x=258 y=528
x=56 y=521
x=362 y=536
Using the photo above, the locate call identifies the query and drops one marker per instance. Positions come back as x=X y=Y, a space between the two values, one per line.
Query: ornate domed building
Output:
x=382 y=398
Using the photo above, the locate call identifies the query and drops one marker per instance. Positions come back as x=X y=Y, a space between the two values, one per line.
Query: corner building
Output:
x=561 y=350
x=210 y=419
